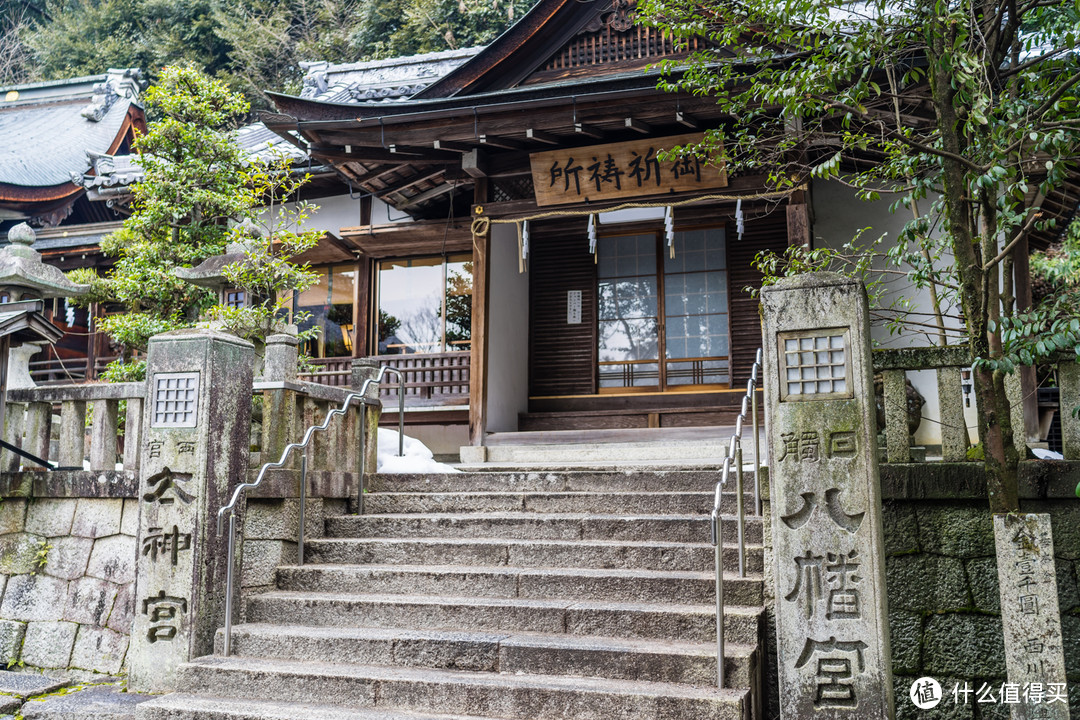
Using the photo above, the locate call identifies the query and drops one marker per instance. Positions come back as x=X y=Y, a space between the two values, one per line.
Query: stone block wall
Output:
x=270 y=529
x=941 y=578
x=67 y=567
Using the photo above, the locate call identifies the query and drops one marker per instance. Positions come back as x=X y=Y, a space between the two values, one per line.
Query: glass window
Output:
x=424 y=305
x=329 y=304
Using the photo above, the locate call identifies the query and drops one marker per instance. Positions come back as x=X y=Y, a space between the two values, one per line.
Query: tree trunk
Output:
x=995 y=430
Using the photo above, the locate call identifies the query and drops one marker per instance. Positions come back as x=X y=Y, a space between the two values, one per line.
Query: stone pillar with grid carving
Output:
x=195 y=448
x=828 y=551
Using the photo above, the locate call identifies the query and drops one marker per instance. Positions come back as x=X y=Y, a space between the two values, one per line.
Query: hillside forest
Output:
x=252 y=45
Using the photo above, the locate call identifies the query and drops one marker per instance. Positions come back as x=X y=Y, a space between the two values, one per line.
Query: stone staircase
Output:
x=536 y=595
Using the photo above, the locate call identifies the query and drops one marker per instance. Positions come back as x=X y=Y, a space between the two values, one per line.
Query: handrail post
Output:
x=303 y=503
x=718 y=552
x=227 y=649
x=401 y=414
x=739 y=510
x=363 y=463
x=758 y=367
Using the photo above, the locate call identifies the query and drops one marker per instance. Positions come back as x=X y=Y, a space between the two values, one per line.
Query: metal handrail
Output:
x=735 y=456
x=308 y=435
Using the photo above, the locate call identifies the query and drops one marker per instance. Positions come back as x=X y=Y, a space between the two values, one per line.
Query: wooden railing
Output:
x=430 y=379
x=949 y=362
x=29 y=417
x=64 y=371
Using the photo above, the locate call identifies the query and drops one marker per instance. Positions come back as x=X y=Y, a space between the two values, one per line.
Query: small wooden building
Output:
x=53 y=133
x=595 y=313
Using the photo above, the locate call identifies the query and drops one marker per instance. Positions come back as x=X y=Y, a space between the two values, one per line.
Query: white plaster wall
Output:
x=508 y=330
x=838 y=216
x=340 y=211
x=382 y=213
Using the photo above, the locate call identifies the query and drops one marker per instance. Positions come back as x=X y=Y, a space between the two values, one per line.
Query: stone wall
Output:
x=66 y=574
x=941 y=575
x=72 y=615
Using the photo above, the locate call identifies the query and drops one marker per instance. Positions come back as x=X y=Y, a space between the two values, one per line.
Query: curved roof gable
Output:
x=523 y=48
x=48 y=129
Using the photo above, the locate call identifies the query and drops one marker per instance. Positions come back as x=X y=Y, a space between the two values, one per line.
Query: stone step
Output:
x=658 y=621
x=612 y=658
x=629 y=503
x=527 y=553
x=540 y=526
x=186 y=706
x=634 y=586
x=541 y=480
x=625 y=452
x=525 y=697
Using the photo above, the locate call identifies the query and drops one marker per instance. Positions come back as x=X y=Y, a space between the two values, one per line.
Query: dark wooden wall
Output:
x=563 y=357
x=766 y=232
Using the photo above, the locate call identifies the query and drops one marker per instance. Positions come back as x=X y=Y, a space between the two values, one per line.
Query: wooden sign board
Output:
x=620 y=170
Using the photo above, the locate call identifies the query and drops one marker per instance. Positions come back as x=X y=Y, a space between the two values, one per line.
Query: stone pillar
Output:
x=362 y=369
x=194 y=453
x=829 y=563
x=282 y=415
x=1030 y=616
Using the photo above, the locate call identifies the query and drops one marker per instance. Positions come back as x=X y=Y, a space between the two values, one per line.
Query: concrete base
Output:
x=473 y=454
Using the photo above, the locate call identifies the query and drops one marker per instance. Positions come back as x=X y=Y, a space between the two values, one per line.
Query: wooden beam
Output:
x=501 y=142
x=588 y=131
x=475 y=164
x=638 y=126
x=687 y=119
x=452 y=146
x=798 y=225
x=419 y=237
x=426 y=195
x=365 y=154
x=541 y=136
x=411 y=179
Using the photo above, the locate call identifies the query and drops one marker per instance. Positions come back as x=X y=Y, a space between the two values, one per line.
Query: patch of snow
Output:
x=417 y=459
x=1040 y=453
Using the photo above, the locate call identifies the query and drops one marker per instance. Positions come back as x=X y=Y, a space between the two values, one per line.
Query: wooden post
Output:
x=364 y=321
x=798 y=220
x=91 y=342
x=479 y=353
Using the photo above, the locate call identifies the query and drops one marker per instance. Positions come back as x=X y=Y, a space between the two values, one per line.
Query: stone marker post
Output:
x=831 y=621
x=196 y=437
x=1034 y=651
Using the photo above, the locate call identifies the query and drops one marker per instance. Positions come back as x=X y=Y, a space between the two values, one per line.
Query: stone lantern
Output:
x=210 y=273
x=26 y=283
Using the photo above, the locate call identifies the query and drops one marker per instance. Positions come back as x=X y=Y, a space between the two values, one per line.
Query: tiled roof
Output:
x=379 y=80
x=48 y=128
x=120 y=171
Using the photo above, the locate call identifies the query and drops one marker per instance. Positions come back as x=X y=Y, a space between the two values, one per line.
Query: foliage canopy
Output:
x=964 y=112
x=199 y=192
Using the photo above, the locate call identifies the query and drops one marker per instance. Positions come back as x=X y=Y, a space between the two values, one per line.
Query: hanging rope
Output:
x=481 y=223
